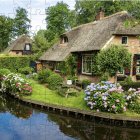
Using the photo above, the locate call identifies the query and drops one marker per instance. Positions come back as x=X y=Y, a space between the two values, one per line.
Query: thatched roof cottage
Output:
x=87 y=39
x=21 y=46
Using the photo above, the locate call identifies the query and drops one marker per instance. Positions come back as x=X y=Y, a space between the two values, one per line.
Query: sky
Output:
x=35 y=8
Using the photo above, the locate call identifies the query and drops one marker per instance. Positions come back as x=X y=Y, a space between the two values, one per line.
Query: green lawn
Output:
x=43 y=94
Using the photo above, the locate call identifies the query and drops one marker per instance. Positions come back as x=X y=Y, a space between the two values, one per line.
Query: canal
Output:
x=20 y=122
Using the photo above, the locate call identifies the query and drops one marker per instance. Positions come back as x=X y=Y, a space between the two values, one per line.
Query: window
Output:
x=17 y=52
x=87 y=64
x=57 y=66
x=27 y=47
x=64 y=39
x=124 y=39
x=138 y=66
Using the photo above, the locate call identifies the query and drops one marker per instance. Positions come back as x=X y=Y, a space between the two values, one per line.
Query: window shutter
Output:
x=134 y=64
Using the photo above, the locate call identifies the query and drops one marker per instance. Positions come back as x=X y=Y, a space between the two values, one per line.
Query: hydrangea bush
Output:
x=14 y=83
x=109 y=97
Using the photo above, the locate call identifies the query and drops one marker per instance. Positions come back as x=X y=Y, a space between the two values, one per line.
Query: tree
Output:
x=113 y=59
x=40 y=43
x=21 y=22
x=86 y=11
x=6 y=28
x=57 y=18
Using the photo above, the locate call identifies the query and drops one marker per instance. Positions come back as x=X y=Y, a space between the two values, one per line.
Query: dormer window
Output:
x=27 y=47
x=124 y=39
x=64 y=39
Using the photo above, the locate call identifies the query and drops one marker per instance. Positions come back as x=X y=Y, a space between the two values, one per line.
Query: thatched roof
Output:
x=87 y=37
x=122 y=30
x=56 y=53
x=18 y=44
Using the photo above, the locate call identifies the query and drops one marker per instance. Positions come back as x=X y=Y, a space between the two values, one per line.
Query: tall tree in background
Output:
x=21 y=22
x=86 y=10
x=57 y=18
x=6 y=28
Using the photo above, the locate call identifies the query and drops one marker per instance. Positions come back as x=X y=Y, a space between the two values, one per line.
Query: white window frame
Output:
x=137 y=66
x=126 y=42
x=28 y=46
x=83 y=64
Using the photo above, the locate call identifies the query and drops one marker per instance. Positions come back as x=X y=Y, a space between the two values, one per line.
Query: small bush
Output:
x=4 y=72
x=126 y=86
x=85 y=82
x=43 y=75
x=15 y=84
x=26 y=70
x=104 y=77
x=54 y=81
x=128 y=80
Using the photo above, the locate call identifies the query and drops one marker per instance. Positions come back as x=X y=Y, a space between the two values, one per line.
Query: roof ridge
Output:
x=95 y=21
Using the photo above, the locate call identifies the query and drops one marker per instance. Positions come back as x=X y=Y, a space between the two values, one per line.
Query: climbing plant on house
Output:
x=113 y=59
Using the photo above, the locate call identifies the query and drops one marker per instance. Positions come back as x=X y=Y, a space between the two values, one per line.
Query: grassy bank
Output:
x=43 y=94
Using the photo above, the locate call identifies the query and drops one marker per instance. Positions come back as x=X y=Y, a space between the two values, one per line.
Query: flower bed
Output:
x=109 y=97
x=14 y=83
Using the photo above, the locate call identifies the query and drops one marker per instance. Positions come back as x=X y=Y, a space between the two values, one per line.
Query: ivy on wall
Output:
x=13 y=63
x=69 y=66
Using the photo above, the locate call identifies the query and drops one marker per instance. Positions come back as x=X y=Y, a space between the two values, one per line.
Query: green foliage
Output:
x=128 y=80
x=6 y=27
x=85 y=82
x=14 y=63
x=57 y=20
x=126 y=85
x=15 y=84
x=25 y=70
x=4 y=72
x=104 y=77
x=43 y=75
x=135 y=107
x=40 y=43
x=21 y=22
x=54 y=81
x=86 y=11
x=113 y=59
x=69 y=66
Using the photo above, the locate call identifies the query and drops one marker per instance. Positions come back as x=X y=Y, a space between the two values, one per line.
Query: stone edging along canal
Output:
x=99 y=117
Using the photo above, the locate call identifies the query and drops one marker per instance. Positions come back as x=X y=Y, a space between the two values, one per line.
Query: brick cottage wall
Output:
x=133 y=45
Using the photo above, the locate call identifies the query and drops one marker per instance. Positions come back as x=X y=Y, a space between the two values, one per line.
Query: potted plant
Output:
x=69 y=80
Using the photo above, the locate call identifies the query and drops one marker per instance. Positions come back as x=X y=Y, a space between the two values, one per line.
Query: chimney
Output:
x=100 y=14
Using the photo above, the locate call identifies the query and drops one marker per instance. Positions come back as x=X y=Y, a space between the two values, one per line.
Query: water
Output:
x=19 y=122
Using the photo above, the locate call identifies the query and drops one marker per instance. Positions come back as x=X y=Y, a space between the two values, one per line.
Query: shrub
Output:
x=105 y=96
x=26 y=70
x=4 y=72
x=128 y=80
x=54 y=81
x=109 y=97
x=104 y=77
x=85 y=82
x=13 y=63
x=15 y=84
x=43 y=75
x=126 y=86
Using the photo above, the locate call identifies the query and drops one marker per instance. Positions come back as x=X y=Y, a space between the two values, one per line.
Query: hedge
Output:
x=130 y=85
x=13 y=63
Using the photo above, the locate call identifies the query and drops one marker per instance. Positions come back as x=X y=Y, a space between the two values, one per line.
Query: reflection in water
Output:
x=18 y=122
